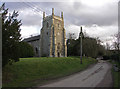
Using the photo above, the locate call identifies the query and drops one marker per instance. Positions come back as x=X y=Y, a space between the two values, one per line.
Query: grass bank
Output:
x=116 y=75
x=32 y=71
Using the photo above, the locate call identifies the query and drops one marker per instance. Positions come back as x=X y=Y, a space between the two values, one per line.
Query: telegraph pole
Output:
x=81 y=34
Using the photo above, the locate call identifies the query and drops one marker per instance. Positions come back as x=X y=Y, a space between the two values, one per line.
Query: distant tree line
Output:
x=112 y=54
x=93 y=48
x=90 y=47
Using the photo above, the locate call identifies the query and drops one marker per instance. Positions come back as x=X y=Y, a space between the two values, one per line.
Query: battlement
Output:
x=52 y=16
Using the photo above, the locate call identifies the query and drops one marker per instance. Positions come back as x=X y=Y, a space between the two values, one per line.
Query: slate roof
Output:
x=30 y=39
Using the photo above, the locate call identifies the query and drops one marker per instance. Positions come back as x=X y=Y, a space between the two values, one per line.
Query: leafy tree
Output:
x=10 y=36
x=91 y=47
x=70 y=45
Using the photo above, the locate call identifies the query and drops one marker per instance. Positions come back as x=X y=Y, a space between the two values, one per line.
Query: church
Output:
x=52 y=40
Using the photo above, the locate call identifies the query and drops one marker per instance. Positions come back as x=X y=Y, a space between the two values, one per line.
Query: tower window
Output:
x=36 y=50
x=47 y=33
x=58 y=25
x=47 y=24
x=58 y=46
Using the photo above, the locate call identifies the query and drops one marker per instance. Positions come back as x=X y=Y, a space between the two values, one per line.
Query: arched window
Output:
x=36 y=50
x=47 y=33
x=58 y=47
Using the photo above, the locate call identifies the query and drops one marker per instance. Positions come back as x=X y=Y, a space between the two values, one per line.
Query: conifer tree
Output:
x=10 y=36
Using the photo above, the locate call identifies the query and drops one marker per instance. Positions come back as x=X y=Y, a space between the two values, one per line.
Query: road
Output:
x=98 y=75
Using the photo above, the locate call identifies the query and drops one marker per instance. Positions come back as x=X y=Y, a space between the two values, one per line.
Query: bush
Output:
x=115 y=56
x=105 y=57
x=26 y=50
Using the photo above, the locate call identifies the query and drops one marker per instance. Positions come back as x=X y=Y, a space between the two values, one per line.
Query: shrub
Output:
x=26 y=50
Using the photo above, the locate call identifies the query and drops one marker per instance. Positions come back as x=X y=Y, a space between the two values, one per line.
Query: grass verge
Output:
x=116 y=75
x=32 y=71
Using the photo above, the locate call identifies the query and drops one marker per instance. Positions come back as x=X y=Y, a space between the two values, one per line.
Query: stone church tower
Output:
x=53 y=37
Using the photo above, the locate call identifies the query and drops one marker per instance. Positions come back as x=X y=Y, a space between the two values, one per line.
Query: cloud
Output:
x=98 y=17
x=18 y=6
x=30 y=18
x=75 y=12
x=29 y=31
x=105 y=33
x=87 y=15
x=72 y=29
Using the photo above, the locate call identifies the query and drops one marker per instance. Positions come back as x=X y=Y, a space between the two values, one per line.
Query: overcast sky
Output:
x=99 y=18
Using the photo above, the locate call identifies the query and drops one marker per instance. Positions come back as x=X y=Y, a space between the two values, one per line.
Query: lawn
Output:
x=32 y=71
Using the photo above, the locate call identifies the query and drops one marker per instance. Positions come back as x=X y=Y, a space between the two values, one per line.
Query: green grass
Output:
x=32 y=71
x=116 y=76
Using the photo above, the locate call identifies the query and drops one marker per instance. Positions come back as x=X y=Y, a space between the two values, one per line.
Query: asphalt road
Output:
x=98 y=75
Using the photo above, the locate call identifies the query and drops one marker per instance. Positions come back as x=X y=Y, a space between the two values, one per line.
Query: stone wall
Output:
x=35 y=43
x=36 y=47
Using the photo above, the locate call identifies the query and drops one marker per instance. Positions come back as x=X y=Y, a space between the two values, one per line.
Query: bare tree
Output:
x=71 y=35
x=116 y=43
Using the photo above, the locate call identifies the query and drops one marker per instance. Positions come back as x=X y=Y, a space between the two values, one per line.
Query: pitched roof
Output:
x=34 y=38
